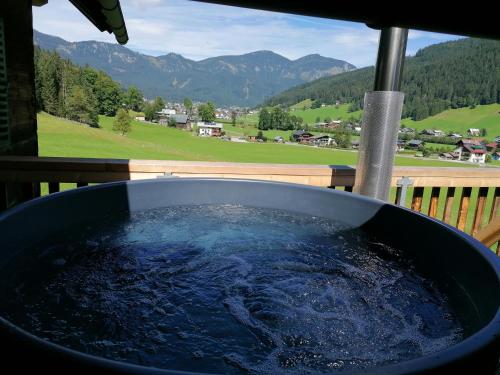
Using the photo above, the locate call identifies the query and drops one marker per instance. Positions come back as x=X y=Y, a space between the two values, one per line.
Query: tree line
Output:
x=454 y=74
x=65 y=89
x=277 y=118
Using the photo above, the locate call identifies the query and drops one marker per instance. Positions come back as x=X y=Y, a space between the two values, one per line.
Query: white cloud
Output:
x=199 y=30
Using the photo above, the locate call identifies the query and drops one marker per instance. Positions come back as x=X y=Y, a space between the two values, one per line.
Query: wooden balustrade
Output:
x=468 y=198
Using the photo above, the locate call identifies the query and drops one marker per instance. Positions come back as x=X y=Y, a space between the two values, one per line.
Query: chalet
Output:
x=400 y=145
x=320 y=140
x=329 y=125
x=300 y=135
x=473 y=132
x=164 y=115
x=321 y=125
x=278 y=139
x=427 y=132
x=449 y=155
x=182 y=121
x=433 y=132
x=415 y=144
x=471 y=150
x=407 y=130
x=439 y=133
x=209 y=129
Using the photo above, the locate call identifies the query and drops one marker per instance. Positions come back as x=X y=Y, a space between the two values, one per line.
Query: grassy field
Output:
x=310 y=115
x=304 y=104
x=459 y=120
x=59 y=137
x=339 y=112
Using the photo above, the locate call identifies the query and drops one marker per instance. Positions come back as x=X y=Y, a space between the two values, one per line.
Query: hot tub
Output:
x=464 y=270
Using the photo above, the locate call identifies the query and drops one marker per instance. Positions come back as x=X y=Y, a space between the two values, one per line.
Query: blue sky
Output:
x=198 y=30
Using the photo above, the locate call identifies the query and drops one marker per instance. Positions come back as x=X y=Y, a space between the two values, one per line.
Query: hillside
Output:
x=244 y=80
x=459 y=120
x=60 y=137
x=442 y=76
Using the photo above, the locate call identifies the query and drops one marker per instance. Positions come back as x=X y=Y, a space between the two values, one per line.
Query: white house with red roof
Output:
x=471 y=150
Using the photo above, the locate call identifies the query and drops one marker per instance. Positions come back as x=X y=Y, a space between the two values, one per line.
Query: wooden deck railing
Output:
x=467 y=198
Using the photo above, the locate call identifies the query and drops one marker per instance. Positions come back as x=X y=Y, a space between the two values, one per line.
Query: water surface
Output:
x=228 y=289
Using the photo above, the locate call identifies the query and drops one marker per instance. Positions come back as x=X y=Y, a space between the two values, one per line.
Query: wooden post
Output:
x=416 y=203
x=479 y=213
x=21 y=111
x=495 y=205
x=448 y=204
x=464 y=208
x=433 y=205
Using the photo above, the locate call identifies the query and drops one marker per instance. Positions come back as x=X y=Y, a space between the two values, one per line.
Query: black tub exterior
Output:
x=467 y=271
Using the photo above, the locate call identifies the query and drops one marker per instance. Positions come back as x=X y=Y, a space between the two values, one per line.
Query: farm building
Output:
x=473 y=132
x=182 y=121
x=415 y=143
x=209 y=129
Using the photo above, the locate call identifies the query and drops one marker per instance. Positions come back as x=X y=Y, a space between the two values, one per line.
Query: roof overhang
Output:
x=461 y=20
x=106 y=15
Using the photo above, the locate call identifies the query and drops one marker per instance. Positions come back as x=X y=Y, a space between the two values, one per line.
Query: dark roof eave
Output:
x=106 y=15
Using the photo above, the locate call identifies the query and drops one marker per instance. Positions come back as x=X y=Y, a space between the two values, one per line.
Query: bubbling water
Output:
x=228 y=289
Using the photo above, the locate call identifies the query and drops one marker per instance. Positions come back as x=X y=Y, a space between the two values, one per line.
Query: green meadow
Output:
x=60 y=137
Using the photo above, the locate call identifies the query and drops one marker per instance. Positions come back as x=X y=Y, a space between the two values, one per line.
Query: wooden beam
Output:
x=490 y=234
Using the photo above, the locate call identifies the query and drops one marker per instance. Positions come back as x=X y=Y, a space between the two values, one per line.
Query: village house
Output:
x=355 y=144
x=450 y=155
x=471 y=150
x=329 y=125
x=301 y=135
x=182 y=121
x=400 y=145
x=209 y=129
x=473 y=132
x=406 y=130
x=415 y=144
x=433 y=132
x=321 y=140
x=278 y=139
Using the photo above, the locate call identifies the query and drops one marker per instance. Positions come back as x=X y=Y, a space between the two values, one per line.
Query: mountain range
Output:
x=243 y=80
